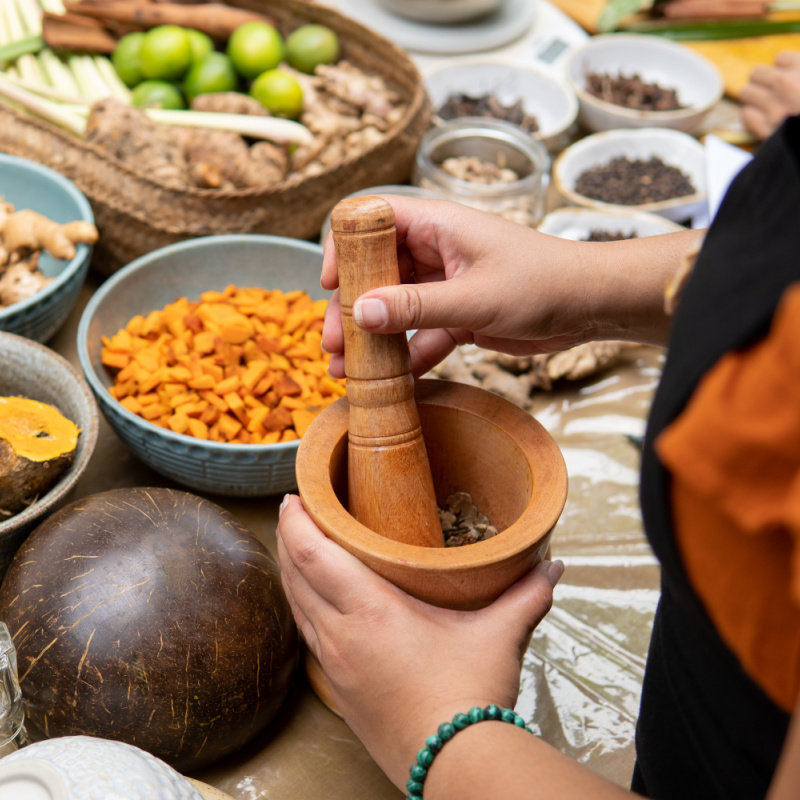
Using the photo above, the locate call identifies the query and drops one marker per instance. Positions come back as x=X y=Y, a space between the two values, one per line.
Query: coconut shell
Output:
x=153 y=617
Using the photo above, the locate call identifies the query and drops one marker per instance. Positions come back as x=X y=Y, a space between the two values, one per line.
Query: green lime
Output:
x=214 y=73
x=166 y=53
x=279 y=92
x=200 y=43
x=127 y=58
x=310 y=45
x=255 y=47
x=157 y=94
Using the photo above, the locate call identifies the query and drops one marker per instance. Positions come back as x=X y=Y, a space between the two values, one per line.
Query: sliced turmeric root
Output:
x=37 y=444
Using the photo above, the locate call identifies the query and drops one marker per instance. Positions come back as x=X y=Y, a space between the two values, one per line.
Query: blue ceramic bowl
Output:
x=188 y=269
x=27 y=184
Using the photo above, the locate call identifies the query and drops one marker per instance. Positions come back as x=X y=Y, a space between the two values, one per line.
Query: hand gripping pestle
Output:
x=390 y=487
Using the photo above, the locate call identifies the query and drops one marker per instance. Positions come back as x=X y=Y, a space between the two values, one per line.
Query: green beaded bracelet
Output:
x=447 y=730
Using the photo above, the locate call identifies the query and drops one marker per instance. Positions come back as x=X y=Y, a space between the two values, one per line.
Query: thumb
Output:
x=442 y=304
x=525 y=603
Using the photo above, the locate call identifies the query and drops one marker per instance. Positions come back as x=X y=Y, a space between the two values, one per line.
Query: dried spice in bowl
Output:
x=632 y=92
x=487 y=105
x=633 y=182
x=597 y=235
x=243 y=366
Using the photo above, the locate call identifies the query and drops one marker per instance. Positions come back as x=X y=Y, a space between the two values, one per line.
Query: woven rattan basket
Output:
x=136 y=214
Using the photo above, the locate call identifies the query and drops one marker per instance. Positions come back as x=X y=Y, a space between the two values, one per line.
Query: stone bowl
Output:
x=29 y=369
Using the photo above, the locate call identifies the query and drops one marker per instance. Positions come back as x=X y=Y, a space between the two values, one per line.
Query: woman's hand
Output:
x=772 y=95
x=468 y=276
x=398 y=667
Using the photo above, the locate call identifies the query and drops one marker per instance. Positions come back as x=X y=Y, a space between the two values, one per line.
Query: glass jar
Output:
x=448 y=154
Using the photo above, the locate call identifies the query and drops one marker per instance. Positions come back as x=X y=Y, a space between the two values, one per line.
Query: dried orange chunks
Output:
x=241 y=365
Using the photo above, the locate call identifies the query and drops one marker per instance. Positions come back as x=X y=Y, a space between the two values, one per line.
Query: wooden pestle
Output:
x=390 y=487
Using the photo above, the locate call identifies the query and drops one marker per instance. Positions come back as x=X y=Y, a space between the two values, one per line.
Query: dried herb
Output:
x=597 y=235
x=629 y=183
x=463 y=105
x=462 y=523
x=632 y=92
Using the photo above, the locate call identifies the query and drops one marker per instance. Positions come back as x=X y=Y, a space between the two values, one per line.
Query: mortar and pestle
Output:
x=374 y=467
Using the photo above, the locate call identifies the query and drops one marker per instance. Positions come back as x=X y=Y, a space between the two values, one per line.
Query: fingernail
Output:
x=283 y=504
x=555 y=571
x=370 y=313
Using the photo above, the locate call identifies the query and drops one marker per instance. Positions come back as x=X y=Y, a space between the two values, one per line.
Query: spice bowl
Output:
x=188 y=269
x=668 y=65
x=441 y=12
x=579 y=224
x=28 y=185
x=487 y=164
x=476 y=442
x=672 y=148
x=549 y=101
x=29 y=369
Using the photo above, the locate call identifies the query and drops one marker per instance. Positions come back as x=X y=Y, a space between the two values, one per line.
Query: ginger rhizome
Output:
x=24 y=234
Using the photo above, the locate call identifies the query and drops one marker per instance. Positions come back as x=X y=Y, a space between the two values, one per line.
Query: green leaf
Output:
x=616 y=10
x=694 y=31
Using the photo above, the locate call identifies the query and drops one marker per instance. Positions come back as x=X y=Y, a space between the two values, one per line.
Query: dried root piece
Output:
x=462 y=523
x=37 y=443
x=223 y=159
x=573 y=364
x=26 y=232
x=19 y=283
x=128 y=135
x=229 y=103
x=369 y=93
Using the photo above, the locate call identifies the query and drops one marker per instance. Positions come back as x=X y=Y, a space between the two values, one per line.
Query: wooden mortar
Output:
x=476 y=442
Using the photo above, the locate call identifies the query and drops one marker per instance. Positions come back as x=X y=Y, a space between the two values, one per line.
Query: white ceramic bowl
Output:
x=674 y=148
x=551 y=101
x=667 y=63
x=578 y=223
x=441 y=11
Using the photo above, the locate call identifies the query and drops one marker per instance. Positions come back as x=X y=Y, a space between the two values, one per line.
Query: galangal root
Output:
x=24 y=235
x=347 y=111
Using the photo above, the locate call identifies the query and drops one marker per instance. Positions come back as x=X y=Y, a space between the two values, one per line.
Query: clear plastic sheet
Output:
x=583 y=672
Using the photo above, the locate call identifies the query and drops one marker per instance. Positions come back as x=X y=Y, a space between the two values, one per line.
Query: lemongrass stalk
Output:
x=5 y=34
x=95 y=76
x=46 y=109
x=50 y=92
x=16 y=30
x=85 y=80
x=112 y=79
x=13 y=50
x=58 y=74
x=53 y=6
x=28 y=68
x=31 y=16
x=282 y=131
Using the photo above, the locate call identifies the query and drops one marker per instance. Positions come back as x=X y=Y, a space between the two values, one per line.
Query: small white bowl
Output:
x=578 y=223
x=667 y=63
x=551 y=101
x=674 y=148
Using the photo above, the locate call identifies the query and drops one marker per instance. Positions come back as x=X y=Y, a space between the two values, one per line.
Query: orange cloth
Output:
x=734 y=456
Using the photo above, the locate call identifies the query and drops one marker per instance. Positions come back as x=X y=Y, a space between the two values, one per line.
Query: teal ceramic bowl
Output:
x=188 y=269
x=27 y=184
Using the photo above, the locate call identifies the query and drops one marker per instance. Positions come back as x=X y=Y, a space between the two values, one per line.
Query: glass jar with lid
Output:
x=487 y=164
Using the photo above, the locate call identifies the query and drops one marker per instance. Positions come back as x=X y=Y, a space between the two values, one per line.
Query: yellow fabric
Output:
x=734 y=456
x=736 y=58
